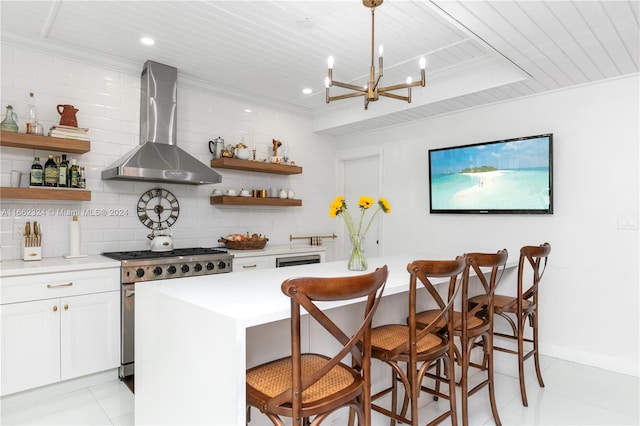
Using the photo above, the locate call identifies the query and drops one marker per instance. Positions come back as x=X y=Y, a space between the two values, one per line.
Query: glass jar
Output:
x=10 y=122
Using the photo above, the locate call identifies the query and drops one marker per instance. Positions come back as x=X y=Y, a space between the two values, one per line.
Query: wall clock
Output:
x=158 y=209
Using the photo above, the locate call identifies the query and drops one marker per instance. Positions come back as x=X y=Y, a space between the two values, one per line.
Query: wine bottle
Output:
x=31 y=119
x=35 y=177
x=82 y=178
x=73 y=173
x=50 y=172
x=63 y=172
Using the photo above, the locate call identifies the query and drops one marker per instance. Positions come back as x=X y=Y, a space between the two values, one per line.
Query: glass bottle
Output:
x=35 y=177
x=10 y=122
x=31 y=115
x=63 y=172
x=73 y=174
x=82 y=179
x=50 y=172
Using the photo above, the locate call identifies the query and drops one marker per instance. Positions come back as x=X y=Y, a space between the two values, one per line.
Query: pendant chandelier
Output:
x=372 y=91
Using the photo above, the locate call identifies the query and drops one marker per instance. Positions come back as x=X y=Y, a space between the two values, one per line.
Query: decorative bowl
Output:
x=244 y=245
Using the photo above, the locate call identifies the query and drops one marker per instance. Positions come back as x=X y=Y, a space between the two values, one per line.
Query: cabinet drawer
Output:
x=251 y=263
x=47 y=286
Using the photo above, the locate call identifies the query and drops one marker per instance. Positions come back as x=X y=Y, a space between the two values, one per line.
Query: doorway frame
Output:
x=343 y=156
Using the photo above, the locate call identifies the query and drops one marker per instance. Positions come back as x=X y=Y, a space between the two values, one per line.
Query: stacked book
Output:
x=60 y=131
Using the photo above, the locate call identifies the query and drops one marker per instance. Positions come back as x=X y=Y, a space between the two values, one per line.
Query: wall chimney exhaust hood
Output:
x=158 y=158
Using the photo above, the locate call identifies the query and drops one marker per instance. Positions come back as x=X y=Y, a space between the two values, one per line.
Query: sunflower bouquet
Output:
x=357 y=260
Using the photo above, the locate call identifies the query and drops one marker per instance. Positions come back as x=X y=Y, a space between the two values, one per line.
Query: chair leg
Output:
x=464 y=381
x=452 y=388
x=523 y=391
x=536 y=358
x=488 y=355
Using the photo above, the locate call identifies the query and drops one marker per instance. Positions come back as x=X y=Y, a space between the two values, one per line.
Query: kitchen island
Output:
x=196 y=337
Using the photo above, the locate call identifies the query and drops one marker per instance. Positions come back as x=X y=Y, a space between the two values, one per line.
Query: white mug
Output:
x=15 y=178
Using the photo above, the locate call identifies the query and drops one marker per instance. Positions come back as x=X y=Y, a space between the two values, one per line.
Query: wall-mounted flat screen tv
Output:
x=506 y=176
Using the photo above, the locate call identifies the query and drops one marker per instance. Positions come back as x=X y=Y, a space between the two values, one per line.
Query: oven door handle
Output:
x=129 y=293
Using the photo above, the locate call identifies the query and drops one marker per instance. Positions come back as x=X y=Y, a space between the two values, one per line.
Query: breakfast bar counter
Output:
x=195 y=337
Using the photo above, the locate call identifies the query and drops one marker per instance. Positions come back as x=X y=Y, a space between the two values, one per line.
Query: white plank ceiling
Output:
x=478 y=52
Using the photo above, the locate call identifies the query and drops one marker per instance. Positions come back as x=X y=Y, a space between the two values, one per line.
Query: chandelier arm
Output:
x=346 y=96
x=394 y=96
x=399 y=86
x=348 y=86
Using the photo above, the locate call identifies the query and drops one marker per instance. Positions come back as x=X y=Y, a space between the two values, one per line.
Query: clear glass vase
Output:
x=357 y=258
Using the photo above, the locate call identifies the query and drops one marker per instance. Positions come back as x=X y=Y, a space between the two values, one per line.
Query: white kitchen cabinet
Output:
x=58 y=326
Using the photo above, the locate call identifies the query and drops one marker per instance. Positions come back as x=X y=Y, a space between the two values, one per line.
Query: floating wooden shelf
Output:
x=45 y=194
x=44 y=143
x=253 y=201
x=255 y=166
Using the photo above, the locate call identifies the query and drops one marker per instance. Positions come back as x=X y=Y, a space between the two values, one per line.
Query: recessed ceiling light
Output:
x=247 y=110
x=148 y=41
x=307 y=91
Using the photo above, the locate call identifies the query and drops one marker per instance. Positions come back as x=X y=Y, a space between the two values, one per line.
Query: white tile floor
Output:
x=574 y=395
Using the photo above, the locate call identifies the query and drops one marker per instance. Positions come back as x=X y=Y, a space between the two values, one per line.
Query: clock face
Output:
x=158 y=209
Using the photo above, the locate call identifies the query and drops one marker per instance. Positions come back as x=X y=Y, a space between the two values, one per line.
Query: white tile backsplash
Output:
x=108 y=102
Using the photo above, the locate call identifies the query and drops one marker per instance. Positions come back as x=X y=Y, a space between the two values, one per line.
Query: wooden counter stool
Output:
x=399 y=345
x=524 y=306
x=473 y=323
x=307 y=385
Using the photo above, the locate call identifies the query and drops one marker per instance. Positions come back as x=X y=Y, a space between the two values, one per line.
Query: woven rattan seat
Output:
x=427 y=317
x=308 y=387
x=273 y=378
x=522 y=309
x=403 y=347
x=391 y=336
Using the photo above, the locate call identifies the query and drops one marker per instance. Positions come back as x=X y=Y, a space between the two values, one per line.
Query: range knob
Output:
x=139 y=272
x=185 y=269
x=210 y=266
x=171 y=269
x=221 y=265
x=157 y=270
x=197 y=267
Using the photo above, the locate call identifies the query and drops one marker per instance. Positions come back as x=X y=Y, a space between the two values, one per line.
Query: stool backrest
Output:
x=536 y=258
x=305 y=293
x=424 y=271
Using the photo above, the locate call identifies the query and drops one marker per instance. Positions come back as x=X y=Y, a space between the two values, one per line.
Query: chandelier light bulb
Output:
x=380 y=50
x=330 y=62
x=409 y=80
x=423 y=63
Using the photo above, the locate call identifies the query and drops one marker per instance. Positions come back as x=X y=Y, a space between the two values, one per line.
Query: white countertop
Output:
x=254 y=297
x=17 y=267
x=277 y=249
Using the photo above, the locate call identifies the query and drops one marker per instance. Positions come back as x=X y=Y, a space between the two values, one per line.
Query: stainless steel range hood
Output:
x=158 y=158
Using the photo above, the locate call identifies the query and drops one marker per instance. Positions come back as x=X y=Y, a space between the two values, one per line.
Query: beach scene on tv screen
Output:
x=510 y=175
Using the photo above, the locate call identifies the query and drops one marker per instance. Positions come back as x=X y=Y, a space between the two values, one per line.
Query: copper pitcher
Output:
x=67 y=115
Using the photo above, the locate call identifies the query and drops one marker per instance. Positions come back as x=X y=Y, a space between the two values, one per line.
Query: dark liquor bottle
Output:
x=63 y=172
x=35 y=177
x=50 y=172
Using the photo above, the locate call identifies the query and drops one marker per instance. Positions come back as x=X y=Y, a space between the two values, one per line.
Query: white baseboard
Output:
x=619 y=365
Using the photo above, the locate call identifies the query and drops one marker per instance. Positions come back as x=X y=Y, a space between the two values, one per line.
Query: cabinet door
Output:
x=30 y=344
x=255 y=262
x=89 y=334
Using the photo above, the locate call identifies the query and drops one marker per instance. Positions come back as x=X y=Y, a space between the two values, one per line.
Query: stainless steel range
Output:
x=146 y=265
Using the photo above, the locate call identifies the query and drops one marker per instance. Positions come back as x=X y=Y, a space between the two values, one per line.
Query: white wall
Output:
x=589 y=307
x=589 y=310
x=108 y=98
